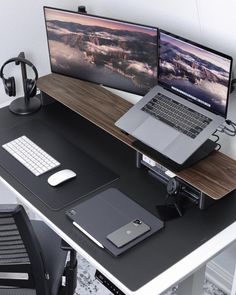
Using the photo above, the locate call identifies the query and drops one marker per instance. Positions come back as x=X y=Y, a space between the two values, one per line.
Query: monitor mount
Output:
x=82 y=9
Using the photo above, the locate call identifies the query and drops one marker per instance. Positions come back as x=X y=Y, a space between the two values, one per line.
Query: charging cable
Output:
x=216 y=141
x=229 y=130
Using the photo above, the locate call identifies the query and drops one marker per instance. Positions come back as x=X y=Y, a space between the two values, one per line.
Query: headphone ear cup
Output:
x=10 y=86
x=31 y=87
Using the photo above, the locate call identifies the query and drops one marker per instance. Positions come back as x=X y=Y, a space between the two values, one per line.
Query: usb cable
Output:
x=231 y=131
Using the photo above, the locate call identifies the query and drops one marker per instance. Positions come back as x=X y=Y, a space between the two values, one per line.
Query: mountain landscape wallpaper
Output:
x=199 y=73
x=113 y=53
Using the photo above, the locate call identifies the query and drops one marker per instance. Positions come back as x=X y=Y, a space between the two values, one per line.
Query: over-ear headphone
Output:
x=9 y=83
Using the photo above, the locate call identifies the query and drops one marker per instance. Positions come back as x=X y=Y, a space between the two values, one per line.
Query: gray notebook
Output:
x=108 y=211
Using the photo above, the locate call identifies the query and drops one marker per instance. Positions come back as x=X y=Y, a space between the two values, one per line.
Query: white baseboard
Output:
x=219 y=276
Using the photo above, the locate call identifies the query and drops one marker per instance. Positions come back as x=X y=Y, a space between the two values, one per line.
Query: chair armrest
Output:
x=71 y=269
x=65 y=246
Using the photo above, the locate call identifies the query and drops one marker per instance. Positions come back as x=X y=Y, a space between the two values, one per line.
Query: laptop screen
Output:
x=197 y=73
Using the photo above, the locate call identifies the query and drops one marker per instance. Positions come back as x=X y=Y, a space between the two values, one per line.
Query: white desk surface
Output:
x=183 y=268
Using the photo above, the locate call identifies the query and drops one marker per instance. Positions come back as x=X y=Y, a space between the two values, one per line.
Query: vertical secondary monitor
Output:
x=197 y=73
x=114 y=53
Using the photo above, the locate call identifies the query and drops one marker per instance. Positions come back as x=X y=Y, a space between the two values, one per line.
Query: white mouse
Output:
x=60 y=177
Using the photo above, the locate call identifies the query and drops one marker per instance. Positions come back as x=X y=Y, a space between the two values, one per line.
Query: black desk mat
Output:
x=91 y=175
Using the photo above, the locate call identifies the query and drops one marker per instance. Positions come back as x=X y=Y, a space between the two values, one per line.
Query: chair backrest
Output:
x=21 y=261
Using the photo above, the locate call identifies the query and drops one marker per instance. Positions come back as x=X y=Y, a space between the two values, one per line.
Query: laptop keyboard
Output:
x=176 y=115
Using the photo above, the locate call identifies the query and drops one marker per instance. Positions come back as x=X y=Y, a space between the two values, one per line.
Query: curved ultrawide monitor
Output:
x=105 y=51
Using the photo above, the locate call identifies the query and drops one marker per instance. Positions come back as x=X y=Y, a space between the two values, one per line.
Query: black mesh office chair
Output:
x=31 y=259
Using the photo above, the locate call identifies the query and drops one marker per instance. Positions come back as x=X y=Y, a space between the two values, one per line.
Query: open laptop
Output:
x=190 y=101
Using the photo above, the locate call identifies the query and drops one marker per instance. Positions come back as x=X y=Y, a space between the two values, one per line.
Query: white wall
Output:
x=22 y=29
x=6 y=196
x=210 y=22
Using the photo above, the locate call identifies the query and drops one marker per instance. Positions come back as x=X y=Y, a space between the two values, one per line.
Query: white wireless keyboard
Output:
x=31 y=155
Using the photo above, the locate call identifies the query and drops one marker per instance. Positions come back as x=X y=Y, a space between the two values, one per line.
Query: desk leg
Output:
x=233 y=289
x=193 y=285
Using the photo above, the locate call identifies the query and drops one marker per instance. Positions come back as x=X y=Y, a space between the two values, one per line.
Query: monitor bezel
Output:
x=106 y=18
x=164 y=85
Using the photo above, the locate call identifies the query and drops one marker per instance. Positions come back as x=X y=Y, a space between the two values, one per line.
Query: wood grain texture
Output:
x=215 y=175
x=91 y=101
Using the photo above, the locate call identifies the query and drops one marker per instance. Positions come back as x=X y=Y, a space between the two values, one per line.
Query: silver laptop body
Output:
x=167 y=139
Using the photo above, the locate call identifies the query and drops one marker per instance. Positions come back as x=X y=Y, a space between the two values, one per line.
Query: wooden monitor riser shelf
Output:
x=215 y=175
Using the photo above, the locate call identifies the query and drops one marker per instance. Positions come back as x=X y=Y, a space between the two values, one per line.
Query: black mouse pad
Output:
x=91 y=175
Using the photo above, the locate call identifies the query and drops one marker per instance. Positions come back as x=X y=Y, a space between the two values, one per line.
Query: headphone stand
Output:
x=22 y=106
x=27 y=104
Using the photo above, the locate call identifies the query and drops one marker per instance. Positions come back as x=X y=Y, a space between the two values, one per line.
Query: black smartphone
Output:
x=128 y=232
